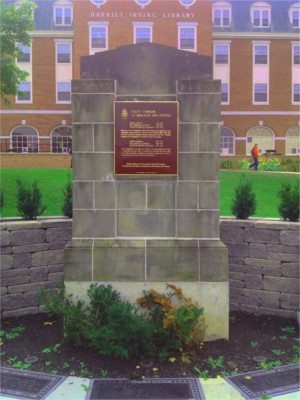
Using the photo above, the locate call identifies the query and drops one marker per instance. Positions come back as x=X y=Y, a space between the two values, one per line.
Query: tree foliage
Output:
x=16 y=22
x=289 y=202
x=244 y=202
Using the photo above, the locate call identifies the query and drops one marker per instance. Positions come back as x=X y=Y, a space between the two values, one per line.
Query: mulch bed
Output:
x=250 y=336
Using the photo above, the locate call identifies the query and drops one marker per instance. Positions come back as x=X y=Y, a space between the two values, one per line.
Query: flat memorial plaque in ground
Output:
x=27 y=385
x=147 y=389
x=280 y=380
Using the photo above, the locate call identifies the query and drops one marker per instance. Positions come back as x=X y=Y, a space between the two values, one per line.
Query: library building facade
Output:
x=254 y=47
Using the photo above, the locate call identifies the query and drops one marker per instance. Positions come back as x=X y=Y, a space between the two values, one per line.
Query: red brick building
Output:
x=254 y=46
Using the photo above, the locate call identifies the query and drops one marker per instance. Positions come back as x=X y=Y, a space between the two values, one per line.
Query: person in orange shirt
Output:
x=254 y=153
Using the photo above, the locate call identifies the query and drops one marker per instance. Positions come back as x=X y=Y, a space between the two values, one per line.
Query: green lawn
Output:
x=51 y=182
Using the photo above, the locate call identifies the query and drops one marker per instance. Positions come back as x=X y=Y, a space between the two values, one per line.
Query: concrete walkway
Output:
x=214 y=389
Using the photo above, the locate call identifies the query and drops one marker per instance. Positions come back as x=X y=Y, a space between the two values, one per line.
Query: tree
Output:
x=244 y=202
x=289 y=201
x=16 y=22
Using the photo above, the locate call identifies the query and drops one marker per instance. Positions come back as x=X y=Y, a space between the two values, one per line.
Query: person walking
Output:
x=254 y=153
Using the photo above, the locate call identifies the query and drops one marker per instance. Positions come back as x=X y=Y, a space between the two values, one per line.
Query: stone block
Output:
x=265 y=224
x=209 y=137
x=119 y=261
x=30 y=287
x=188 y=137
x=4 y=238
x=237 y=249
x=78 y=260
x=27 y=236
x=56 y=276
x=249 y=301
x=194 y=107
x=131 y=195
x=187 y=195
x=23 y=225
x=201 y=224
x=11 y=301
x=39 y=274
x=93 y=166
x=30 y=248
x=92 y=107
x=278 y=313
x=57 y=245
x=290 y=238
x=271 y=272
x=275 y=248
x=241 y=223
x=290 y=301
x=83 y=137
x=248 y=309
x=234 y=307
x=199 y=166
x=83 y=195
x=209 y=195
x=6 y=262
x=5 y=250
x=233 y=259
x=257 y=250
x=236 y=283
x=290 y=270
x=104 y=137
x=105 y=193
x=12 y=273
x=3 y=226
x=161 y=195
x=253 y=281
x=283 y=257
x=62 y=234
x=214 y=263
x=93 y=223
x=19 y=280
x=269 y=303
x=236 y=275
x=3 y=290
x=286 y=285
x=252 y=235
x=56 y=222
x=231 y=234
x=20 y=312
x=93 y=86
x=291 y=249
x=30 y=299
x=55 y=268
x=272 y=296
x=44 y=258
x=256 y=262
x=235 y=291
x=149 y=223
x=22 y=260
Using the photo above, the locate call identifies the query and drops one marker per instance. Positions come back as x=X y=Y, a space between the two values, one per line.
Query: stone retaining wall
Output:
x=263 y=264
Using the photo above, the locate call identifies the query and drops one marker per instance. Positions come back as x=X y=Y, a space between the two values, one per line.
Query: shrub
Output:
x=244 y=203
x=227 y=164
x=289 y=202
x=290 y=164
x=67 y=207
x=1 y=200
x=29 y=200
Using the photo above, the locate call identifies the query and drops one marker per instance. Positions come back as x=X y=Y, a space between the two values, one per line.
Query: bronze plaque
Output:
x=146 y=138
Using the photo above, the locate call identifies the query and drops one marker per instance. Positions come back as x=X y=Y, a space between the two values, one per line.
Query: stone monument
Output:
x=146 y=122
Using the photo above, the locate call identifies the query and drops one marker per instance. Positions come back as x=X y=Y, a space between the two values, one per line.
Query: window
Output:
x=261 y=15
x=187 y=3
x=25 y=58
x=63 y=53
x=98 y=3
x=296 y=55
x=98 y=38
x=293 y=141
x=294 y=14
x=187 y=38
x=64 y=92
x=296 y=92
x=61 y=139
x=25 y=88
x=221 y=14
x=221 y=54
x=261 y=135
x=260 y=93
x=260 y=54
x=63 y=15
x=143 y=3
x=227 y=139
x=24 y=139
x=224 y=93
x=142 y=34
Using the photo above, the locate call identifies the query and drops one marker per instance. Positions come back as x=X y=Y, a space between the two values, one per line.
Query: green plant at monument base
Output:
x=218 y=362
x=270 y=365
x=244 y=202
x=265 y=397
x=289 y=202
x=118 y=328
x=289 y=329
x=29 y=200
x=278 y=352
x=203 y=375
x=254 y=344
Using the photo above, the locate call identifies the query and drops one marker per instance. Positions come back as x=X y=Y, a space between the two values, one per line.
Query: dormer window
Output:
x=261 y=15
x=221 y=14
x=63 y=13
x=294 y=14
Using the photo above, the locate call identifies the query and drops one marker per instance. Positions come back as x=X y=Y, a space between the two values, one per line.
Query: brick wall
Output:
x=36 y=160
x=263 y=264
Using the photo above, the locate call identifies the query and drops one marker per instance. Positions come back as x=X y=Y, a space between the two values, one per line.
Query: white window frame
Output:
x=63 y=8
x=256 y=45
x=187 y=25
x=18 y=101
x=293 y=93
x=228 y=101
x=29 y=141
x=234 y=139
x=293 y=55
x=297 y=140
x=294 y=8
x=143 y=25
x=228 y=53
x=221 y=6
x=62 y=101
x=92 y=25
x=260 y=7
x=30 y=55
x=56 y=50
x=260 y=102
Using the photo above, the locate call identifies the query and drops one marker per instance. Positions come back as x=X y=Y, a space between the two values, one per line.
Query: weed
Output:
x=258 y=314
x=289 y=329
x=273 y=338
x=50 y=349
x=21 y=366
x=54 y=372
x=2 y=354
x=270 y=365
x=265 y=397
x=232 y=319
x=254 y=344
x=278 y=352
x=66 y=365
x=86 y=388
x=48 y=363
x=296 y=349
x=218 y=362
x=283 y=337
x=297 y=339
x=12 y=335
x=83 y=370
x=104 y=373
x=296 y=360
x=10 y=360
x=203 y=374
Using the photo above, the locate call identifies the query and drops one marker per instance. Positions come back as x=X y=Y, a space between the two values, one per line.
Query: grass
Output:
x=51 y=181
